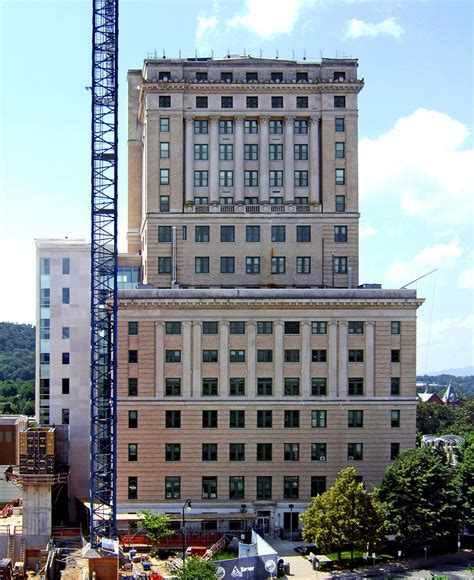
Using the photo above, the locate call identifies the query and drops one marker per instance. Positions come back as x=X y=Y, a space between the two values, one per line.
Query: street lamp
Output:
x=187 y=506
x=291 y=506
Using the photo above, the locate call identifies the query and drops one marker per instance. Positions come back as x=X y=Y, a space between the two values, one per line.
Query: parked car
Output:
x=307 y=549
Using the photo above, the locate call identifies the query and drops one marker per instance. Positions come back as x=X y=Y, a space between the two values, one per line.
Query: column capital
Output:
x=187 y=323
x=189 y=120
x=213 y=119
x=289 y=120
x=264 y=120
x=314 y=120
x=306 y=323
x=279 y=323
x=370 y=323
x=239 y=120
x=343 y=323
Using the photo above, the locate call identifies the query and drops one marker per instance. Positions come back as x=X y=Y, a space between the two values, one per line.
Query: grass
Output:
x=226 y=555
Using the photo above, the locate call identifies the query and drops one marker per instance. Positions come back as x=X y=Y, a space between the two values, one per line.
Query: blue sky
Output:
x=416 y=122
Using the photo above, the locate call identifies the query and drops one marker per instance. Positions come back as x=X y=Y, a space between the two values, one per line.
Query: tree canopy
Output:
x=156 y=526
x=196 y=569
x=345 y=515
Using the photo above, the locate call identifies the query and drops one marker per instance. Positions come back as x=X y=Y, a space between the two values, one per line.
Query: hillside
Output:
x=438 y=383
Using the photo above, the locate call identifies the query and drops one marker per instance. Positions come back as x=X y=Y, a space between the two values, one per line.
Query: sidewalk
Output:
x=300 y=567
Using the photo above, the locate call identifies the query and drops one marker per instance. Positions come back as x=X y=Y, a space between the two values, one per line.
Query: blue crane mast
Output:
x=103 y=469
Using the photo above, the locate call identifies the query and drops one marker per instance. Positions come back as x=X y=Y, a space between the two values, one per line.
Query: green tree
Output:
x=463 y=419
x=345 y=515
x=465 y=478
x=196 y=569
x=433 y=419
x=156 y=526
x=420 y=497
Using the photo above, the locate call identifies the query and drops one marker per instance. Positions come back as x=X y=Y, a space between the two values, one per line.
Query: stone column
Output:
x=314 y=196
x=278 y=358
x=189 y=162
x=196 y=388
x=214 y=160
x=251 y=362
x=306 y=358
x=332 y=362
x=263 y=154
x=186 y=359
x=342 y=359
x=239 y=160
x=370 y=359
x=159 y=359
x=223 y=358
x=289 y=163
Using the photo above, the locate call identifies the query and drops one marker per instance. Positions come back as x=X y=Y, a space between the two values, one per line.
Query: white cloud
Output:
x=420 y=162
x=402 y=272
x=466 y=279
x=270 y=18
x=359 y=28
x=205 y=25
x=367 y=230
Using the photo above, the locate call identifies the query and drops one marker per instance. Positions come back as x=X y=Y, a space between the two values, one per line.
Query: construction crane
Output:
x=104 y=89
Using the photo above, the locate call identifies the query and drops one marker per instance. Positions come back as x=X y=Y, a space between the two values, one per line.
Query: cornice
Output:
x=232 y=88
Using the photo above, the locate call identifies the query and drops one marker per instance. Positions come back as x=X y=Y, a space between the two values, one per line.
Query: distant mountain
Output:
x=464 y=372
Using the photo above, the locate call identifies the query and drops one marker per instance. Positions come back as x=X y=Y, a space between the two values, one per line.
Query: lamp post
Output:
x=187 y=506
x=291 y=506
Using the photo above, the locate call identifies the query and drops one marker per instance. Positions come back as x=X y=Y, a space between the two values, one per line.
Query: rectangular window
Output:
x=292 y=355
x=250 y=178
x=318 y=419
x=237 y=387
x=210 y=327
x=236 y=451
x=209 y=419
x=172 y=327
x=394 y=451
x=164 y=265
x=226 y=152
x=252 y=102
x=132 y=487
x=340 y=176
x=340 y=203
x=394 y=418
x=318 y=485
x=164 y=176
x=45 y=358
x=301 y=102
x=278 y=233
x=319 y=355
x=201 y=234
x=318 y=327
x=356 y=327
x=265 y=327
x=164 y=233
x=172 y=487
x=291 y=386
x=173 y=419
x=237 y=356
x=264 y=419
x=201 y=265
x=45 y=297
x=164 y=203
x=133 y=356
x=276 y=200
x=264 y=487
x=251 y=76
x=133 y=328
x=251 y=127
x=201 y=76
x=395 y=327
x=227 y=264
x=227 y=102
x=340 y=233
x=340 y=150
x=45 y=266
x=201 y=127
x=133 y=419
x=65 y=386
x=340 y=264
x=355 y=451
x=291 y=452
x=164 y=75
x=301 y=127
x=276 y=178
x=301 y=77
x=209 y=488
x=236 y=487
x=252 y=233
x=66 y=296
x=226 y=178
x=278 y=265
x=303 y=265
x=355 y=355
x=395 y=355
x=276 y=152
x=201 y=102
x=275 y=127
x=339 y=102
x=301 y=178
x=226 y=127
x=277 y=102
x=164 y=125
x=237 y=419
x=264 y=452
x=173 y=356
x=250 y=152
x=291 y=419
x=201 y=153
x=132 y=452
x=236 y=327
x=164 y=101
x=45 y=328
x=132 y=387
x=66 y=266
x=276 y=77
x=394 y=386
x=201 y=178
x=264 y=355
x=318 y=387
x=209 y=356
x=164 y=150
x=209 y=452
x=355 y=386
x=355 y=419
x=339 y=76
x=173 y=387
x=318 y=452
x=227 y=77
x=301 y=152
x=339 y=125
x=264 y=386
x=291 y=487
x=252 y=265
x=303 y=234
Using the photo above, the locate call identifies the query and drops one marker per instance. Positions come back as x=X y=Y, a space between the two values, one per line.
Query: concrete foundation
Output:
x=37 y=520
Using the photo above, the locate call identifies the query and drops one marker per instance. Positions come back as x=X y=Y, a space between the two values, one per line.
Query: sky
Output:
x=416 y=163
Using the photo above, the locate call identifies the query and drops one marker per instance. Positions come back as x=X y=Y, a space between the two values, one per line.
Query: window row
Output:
x=45 y=266
x=45 y=330
x=251 y=152
x=277 y=102
x=291 y=419
x=254 y=76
